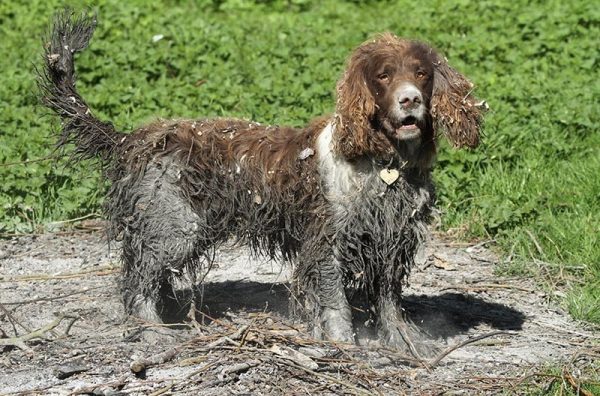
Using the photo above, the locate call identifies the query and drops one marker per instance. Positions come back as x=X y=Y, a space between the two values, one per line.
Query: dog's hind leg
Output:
x=398 y=331
x=161 y=234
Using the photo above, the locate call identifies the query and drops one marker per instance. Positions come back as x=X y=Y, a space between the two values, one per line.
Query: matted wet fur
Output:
x=345 y=200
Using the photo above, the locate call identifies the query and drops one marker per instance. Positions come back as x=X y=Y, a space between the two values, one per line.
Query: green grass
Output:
x=569 y=380
x=534 y=185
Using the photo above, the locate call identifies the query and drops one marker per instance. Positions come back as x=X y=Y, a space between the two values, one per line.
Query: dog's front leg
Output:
x=335 y=317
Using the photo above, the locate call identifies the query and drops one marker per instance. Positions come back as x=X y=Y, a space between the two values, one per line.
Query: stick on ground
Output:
x=19 y=342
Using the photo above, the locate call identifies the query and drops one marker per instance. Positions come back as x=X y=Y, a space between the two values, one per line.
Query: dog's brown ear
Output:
x=454 y=110
x=355 y=108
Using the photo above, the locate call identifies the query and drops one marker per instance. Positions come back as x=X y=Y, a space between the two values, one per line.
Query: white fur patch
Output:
x=341 y=178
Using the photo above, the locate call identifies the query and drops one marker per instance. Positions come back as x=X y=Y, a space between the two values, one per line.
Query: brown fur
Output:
x=223 y=143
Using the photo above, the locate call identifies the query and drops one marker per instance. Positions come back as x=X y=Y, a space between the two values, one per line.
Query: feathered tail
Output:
x=92 y=138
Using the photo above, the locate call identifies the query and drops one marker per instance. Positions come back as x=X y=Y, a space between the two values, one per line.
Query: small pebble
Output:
x=70 y=369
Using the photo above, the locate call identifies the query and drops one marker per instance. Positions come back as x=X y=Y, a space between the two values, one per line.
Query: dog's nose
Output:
x=410 y=97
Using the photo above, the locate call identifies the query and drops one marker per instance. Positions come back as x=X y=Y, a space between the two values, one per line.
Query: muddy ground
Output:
x=244 y=341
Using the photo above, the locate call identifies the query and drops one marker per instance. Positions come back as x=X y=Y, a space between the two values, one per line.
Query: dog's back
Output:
x=180 y=188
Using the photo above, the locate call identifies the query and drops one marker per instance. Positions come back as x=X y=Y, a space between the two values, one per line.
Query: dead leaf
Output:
x=307 y=152
x=443 y=264
x=295 y=356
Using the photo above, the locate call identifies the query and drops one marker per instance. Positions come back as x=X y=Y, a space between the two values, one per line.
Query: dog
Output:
x=346 y=200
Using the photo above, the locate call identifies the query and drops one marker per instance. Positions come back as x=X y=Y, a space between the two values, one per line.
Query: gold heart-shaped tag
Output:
x=389 y=176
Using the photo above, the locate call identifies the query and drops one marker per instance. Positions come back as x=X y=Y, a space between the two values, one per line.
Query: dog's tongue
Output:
x=408 y=127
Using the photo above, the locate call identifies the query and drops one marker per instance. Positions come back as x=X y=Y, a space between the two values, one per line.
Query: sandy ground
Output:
x=246 y=343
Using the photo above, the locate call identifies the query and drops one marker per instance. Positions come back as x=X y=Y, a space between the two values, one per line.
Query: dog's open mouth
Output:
x=408 y=129
x=408 y=123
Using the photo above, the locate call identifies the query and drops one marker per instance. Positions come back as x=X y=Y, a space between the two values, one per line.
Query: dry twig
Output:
x=12 y=319
x=97 y=271
x=141 y=364
x=575 y=385
x=100 y=389
x=445 y=353
x=48 y=299
x=19 y=342
x=228 y=338
x=484 y=286
x=350 y=387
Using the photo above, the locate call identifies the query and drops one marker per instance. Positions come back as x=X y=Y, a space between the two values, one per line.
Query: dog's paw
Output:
x=335 y=325
x=409 y=339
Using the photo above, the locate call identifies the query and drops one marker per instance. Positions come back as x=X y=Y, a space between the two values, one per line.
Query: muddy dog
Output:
x=346 y=200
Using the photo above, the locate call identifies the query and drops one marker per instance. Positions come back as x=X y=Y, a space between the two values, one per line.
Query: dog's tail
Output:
x=92 y=137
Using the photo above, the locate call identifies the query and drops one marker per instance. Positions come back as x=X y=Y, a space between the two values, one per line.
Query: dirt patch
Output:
x=245 y=343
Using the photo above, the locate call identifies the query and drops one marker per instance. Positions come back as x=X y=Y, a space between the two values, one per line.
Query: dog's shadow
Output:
x=215 y=300
x=440 y=316
x=450 y=314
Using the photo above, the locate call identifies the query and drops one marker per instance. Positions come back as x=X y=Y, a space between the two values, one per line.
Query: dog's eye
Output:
x=383 y=77
x=420 y=74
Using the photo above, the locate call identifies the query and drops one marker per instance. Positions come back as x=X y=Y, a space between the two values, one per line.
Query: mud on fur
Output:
x=345 y=201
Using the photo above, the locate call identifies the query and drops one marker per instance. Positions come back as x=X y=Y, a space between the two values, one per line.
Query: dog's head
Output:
x=399 y=92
